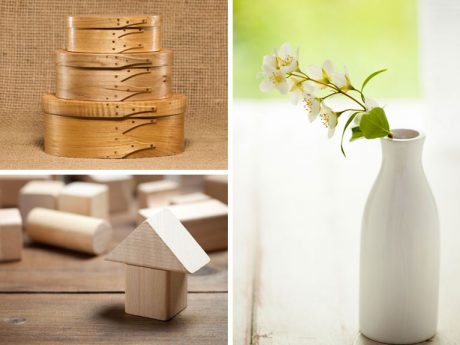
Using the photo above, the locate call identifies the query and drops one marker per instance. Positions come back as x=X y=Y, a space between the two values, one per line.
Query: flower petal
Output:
x=266 y=85
x=315 y=72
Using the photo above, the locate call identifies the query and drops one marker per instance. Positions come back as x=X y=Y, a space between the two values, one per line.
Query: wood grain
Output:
x=92 y=273
x=100 y=319
x=174 y=105
x=164 y=57
x=133 y=83
x=105 y=138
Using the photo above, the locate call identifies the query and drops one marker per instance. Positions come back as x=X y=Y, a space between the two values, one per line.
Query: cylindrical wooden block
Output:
x=108 y=34
x=117 y=77
x=69 y=230
x=107 y=138
x=174 y=105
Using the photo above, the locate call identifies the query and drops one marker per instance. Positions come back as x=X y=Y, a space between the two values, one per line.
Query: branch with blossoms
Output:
x=317 y=85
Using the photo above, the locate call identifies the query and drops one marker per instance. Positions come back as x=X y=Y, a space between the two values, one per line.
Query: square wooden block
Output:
x=10 y=185
x=216 y=186
x=158 y=193
x=189 y=198
x=10 y=234
x=39 y=194
x=120 y=190
x=155 y=293
x=89 y=199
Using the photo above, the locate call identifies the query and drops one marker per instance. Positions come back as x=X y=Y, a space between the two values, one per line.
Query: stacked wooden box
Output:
x=113 y=92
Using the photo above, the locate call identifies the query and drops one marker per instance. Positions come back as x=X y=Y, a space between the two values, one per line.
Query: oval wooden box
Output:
x=113 y=77
x=174 y=105
x=129 y=129
x=108 y=34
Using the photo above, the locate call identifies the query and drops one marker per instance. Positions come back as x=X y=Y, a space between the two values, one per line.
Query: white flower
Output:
x=329 y=119
x=297 y=88
x=341 y=80
x=287 y=59
x=274 y=77
x=312 y=105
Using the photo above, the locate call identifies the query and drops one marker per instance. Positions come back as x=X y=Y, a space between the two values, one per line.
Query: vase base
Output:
x=378 y=340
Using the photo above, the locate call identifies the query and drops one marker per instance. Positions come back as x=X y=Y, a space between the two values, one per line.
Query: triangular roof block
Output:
x=161 y=242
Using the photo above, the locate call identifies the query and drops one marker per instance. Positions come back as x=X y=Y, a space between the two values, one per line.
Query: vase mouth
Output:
x=405 y=134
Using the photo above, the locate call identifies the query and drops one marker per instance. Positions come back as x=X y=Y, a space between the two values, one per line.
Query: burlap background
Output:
x=30 y=31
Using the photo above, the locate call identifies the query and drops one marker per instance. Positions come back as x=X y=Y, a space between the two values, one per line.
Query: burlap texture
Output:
x=30 y=31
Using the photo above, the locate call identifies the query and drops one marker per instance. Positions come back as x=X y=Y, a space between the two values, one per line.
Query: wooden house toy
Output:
x=10 y=234
x=157 y=193
x=158 y=255
x=39 y=194
x=207 y=222
x=88 y=199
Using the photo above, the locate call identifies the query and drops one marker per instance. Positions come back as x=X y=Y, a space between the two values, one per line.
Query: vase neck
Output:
x=404 y=150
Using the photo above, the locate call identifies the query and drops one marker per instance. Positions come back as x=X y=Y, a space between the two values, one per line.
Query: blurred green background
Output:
x=364 y=35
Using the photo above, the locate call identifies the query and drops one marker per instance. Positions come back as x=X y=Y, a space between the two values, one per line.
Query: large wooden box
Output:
x=114 y=129
x=99 y=34
x=113 y=77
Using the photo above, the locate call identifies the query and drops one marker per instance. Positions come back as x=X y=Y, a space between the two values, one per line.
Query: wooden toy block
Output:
x=10 y=185
x=120 y=190
x=189 y=198
x=188 y=183
x=39 y=194
x=156 y=294
x=157 y=193
x=158 y=254
x=147 y=178
x=216 y=186
x=207 y=222
x=88 y=199
x=10 y=234
x=68 y=230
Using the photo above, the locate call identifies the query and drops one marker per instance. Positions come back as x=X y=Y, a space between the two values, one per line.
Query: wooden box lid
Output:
x=111 y=22
x=117 y=110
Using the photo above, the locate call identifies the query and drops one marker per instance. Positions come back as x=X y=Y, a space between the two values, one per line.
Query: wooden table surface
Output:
x=298 y=208
x=55 y=296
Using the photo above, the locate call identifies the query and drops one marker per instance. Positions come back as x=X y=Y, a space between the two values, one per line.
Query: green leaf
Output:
x=374 y=124
x=344 y=129
x=372 y=75
x=356 y=133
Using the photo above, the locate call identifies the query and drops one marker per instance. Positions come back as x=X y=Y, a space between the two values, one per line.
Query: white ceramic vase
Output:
x=400 y=251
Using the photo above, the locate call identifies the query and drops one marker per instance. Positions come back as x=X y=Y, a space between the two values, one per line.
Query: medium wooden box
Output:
x=114 y=129
x=108 y=34
x=113 y=77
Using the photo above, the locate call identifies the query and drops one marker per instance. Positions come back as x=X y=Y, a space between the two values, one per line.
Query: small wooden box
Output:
x=160 y=131
x=108 y=34
x=113 y=77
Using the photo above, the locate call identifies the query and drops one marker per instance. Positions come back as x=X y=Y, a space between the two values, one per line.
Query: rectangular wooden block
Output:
x=120 y=190
x=207 y=222
x=188 y=183
x=154 y=293
x=216 y=186
x=88 y=199
x=189 y=198
x=10 y=185
x=157 y=193
x=10 y=234
x=39 y=194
